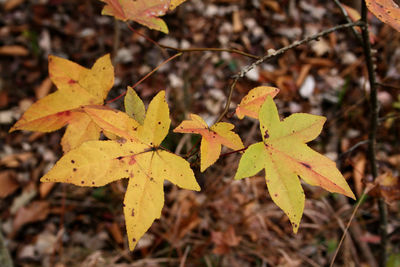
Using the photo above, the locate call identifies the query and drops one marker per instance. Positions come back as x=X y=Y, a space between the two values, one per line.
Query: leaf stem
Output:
x=146 y=76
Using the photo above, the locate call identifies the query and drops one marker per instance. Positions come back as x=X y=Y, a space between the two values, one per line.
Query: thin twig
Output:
x=194 y=49
x=388 y=85
x=308 y=39
x=145 y=77
x=348 y=19
x=351 y=149
x=372 y=132
x=228 y=102
x=203 y=49
x=276 y=53
x=360 y=201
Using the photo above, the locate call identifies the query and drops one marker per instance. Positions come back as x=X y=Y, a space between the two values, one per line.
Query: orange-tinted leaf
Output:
x=252 y=102
x=145 y=12
x=136 y=155
x=285 y=156
x=212 y=138
x=77 y=87
x=385 y=10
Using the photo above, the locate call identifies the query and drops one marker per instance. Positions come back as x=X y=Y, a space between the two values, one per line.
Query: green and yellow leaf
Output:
x=284 y=155
x=134 y=106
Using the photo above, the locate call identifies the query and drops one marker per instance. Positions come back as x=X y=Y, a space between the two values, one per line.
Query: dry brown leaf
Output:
x=34 y=212
x=11 y=4
x=14 y=160
x=385 y=10
x=13 y=50
x=43 y=89
x=8 y=184
x=237 y=21
x=115 y=232
x=45 y=188
x=225 y=240
x=389 y=186
x=358 y=173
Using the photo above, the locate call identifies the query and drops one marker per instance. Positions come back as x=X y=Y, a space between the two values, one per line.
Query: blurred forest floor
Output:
x=228 y=223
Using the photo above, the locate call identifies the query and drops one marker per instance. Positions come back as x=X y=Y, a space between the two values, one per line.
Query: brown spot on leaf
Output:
x=121 y=140
x=266 y=134
x=74 y=169
x=72 y=161
x=133 y=212
x=71 y=81
x=82 y=182
x=306 y=165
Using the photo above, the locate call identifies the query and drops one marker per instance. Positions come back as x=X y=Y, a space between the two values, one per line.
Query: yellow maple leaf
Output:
x=284 y=155
x=212 y=138
x=77 y=87
x=136 y=155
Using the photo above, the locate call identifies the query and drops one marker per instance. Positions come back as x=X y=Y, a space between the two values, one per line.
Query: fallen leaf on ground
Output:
x=34 y=212
x=8 y=184
x=385 y=10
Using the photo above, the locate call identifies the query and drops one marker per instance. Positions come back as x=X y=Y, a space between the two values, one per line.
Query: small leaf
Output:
x=136 y=156
x=134 y=106
x=251 y=103
x=77 y=87
x=387 y=11
x=285 y=156
x=212 y=138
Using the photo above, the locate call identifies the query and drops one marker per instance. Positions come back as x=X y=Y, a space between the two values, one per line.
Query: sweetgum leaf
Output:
x=252 y=102
x=387 y=11
x=77 y=87
x=285 y=156
x=212 y=138
x=136 y=155
x=145 y=12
